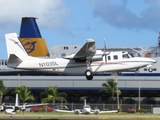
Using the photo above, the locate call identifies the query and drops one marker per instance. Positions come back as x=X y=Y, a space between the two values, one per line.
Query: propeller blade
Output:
x=105 y=50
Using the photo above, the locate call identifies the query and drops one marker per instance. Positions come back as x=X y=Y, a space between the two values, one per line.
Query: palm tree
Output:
x=52 y=94
x=24 y=94
x=111 y=87
x=3 y=91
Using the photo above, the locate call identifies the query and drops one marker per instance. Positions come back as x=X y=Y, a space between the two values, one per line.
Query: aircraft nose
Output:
x=87 y=110
x=151 y=60
x=154 y=61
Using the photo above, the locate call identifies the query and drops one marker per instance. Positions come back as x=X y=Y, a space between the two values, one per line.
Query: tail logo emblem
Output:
x=29 y=45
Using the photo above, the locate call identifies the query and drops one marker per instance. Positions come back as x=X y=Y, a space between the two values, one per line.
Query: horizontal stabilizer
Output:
x=13 y=61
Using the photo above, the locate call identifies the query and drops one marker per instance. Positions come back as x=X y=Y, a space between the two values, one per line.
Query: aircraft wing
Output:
x=110 y=111
x=76 y=111
x=67 y=111
x=88 y=50
x=32 y=105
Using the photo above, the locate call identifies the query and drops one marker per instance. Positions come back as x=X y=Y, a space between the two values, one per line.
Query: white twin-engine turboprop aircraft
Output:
x=87 y=110
x=13 y=109
x=86 y=61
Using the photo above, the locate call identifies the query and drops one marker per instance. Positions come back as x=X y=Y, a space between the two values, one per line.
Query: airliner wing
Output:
x=89 y=49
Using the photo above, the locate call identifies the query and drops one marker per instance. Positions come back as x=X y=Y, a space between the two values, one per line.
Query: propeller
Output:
x=104 y=54
x=23 y=108
x=2 y=107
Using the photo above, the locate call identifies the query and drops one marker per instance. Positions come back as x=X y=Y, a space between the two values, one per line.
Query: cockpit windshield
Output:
x=9 y=107
x=127 y=55
x=131 y=54
x=86 y=106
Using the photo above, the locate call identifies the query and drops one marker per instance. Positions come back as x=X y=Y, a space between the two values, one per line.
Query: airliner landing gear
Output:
x=89 y=75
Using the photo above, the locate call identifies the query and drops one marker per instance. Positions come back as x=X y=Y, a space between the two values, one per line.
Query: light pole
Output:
x=19 y=80
x=115 y=73
x=139 y=95
x=61 y=104
x=118 y=107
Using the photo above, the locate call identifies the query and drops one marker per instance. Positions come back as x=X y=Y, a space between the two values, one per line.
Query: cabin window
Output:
x=115 y=57
x=109 y=57
x=75 y=47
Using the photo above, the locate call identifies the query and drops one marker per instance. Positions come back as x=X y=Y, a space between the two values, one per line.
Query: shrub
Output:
x=42 y=109
x=131 y=110
x=143 y=110
x=106 y=109
x=34 y=109
x=49 y=109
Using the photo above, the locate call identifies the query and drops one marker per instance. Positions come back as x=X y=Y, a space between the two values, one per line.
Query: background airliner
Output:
x=86 y=61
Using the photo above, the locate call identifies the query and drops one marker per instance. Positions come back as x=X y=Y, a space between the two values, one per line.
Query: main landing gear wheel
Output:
x=89 y=75
x=76 y=112
x=96 y=112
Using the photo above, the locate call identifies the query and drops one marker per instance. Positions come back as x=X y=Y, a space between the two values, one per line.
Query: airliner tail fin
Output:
x=31 y=38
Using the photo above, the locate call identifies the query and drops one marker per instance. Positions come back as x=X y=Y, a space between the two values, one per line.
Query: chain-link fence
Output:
x=123 y=107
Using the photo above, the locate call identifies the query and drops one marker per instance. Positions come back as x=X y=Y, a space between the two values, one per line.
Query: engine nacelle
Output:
x=77 y=112
x=96 y=112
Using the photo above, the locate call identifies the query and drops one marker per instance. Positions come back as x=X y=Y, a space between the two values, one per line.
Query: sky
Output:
x=122 y=23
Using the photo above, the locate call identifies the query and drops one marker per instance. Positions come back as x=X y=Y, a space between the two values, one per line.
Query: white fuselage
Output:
x=10 y=110
x=86 y=109
x=115 y=61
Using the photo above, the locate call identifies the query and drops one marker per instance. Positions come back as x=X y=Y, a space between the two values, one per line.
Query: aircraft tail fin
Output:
x=16 y=102
x=31 y=38
x=15 y=50
x=16 y=105
x=84 y=102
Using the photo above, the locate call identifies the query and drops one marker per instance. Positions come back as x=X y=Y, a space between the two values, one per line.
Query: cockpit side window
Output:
x=109 y=57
